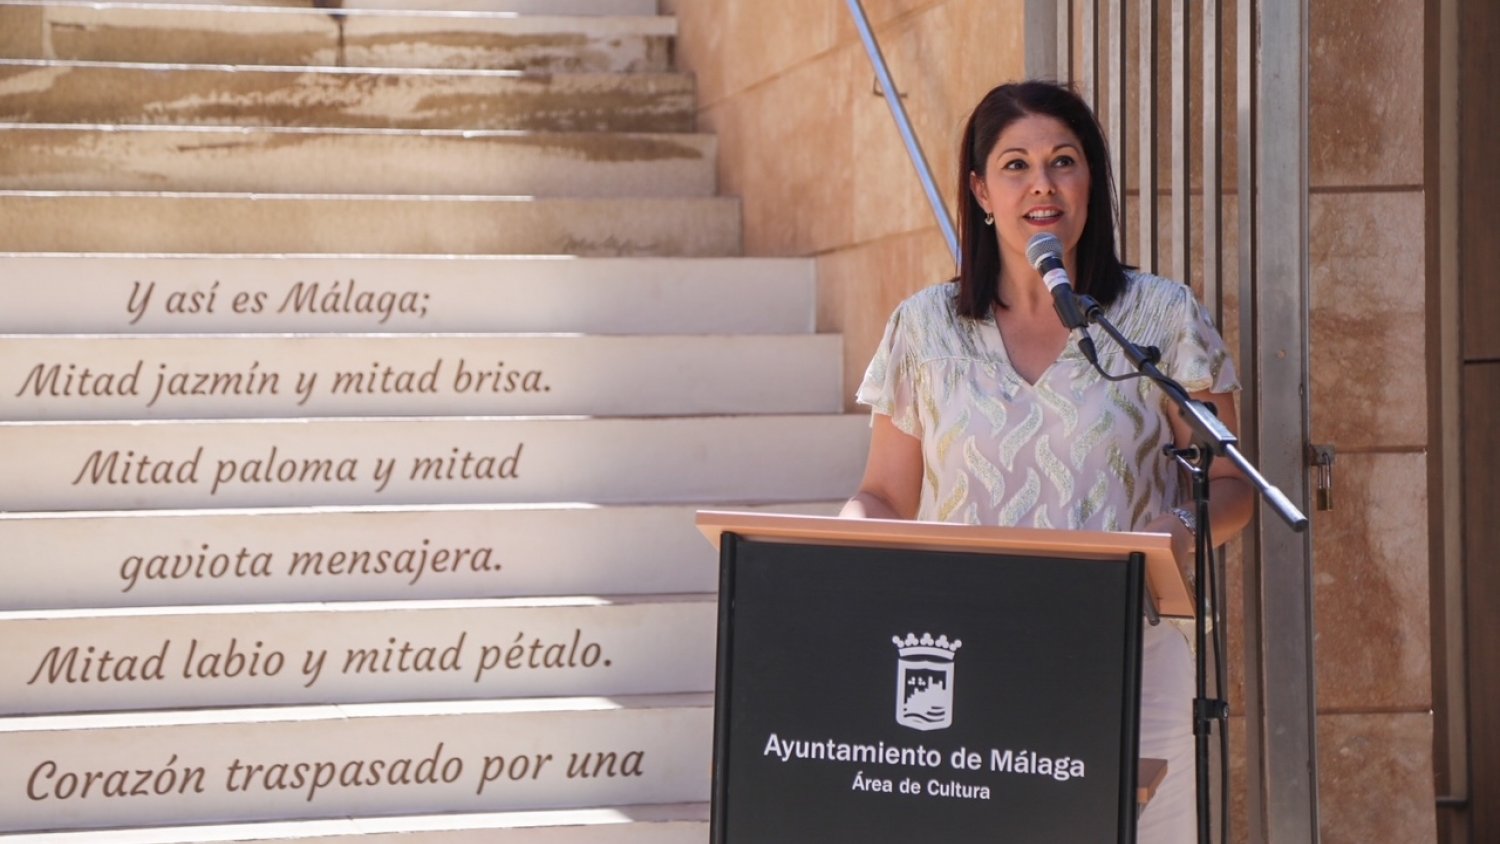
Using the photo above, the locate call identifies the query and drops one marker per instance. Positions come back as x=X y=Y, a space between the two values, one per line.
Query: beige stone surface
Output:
x=944 y=58
x=1375 y=778
x=1367 y=320
x=524 y=7
x=508 y=294
x=243 y=223
x=21 y=33
x=571 y=374
x=1373 y=641
x=806 y=140
x=575 y=45
x=735 y=46
x=782 y=150
x=569 y=460
x=888 y=192
x=269 y=36
x=673 y=732
x=376 y=161
x=858 y=288
x=883 y=12
x=527 y=7
x=164 y=94
x=1365 y=84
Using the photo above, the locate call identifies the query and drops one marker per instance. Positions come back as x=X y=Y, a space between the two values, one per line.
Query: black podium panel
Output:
x=880 y=695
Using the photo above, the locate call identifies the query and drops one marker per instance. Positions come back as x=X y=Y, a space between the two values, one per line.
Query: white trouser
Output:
x=1167 y=689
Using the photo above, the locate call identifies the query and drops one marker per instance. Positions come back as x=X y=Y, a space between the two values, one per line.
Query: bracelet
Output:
x=1188 y=518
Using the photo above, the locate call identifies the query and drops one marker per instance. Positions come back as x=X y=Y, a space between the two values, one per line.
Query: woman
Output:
x=985 y=412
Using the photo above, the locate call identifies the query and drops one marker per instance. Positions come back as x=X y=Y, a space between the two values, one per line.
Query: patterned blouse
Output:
x=1072 y=451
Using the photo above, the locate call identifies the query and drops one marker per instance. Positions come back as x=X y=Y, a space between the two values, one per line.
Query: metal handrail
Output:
x=903 y=124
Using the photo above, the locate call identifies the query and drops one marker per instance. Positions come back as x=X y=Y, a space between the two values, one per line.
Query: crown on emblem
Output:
x=939 y=648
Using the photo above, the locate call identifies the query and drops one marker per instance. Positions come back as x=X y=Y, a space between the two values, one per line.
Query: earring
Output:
x=989 y=219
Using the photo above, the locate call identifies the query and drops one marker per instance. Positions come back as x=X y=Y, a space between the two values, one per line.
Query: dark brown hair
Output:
x=1100 y=273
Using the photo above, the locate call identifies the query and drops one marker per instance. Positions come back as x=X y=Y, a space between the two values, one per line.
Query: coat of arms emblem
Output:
x=924 y=681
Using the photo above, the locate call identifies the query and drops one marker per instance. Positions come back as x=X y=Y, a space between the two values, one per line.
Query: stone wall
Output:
x=809 y=145
x=1369 y=389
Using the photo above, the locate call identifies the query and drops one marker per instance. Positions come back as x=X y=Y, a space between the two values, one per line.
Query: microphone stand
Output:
x=1210 y=440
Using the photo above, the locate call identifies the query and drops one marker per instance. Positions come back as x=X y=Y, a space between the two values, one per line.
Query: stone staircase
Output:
x=361 y=371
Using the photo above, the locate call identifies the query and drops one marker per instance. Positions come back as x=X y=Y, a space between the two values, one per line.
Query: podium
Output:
x=885 y=681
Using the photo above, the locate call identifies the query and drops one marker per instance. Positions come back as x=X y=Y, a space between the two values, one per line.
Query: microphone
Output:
x=1044 y=251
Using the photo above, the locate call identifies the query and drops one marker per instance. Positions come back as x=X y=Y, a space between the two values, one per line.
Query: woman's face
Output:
x=1036 y=180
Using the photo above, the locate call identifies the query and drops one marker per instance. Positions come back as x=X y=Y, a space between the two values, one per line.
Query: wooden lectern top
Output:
x=1163 y=580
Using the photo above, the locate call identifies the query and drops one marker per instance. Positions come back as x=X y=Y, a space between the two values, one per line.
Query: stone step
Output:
x=355 y=161
x=682 y=823
x=214 y=766
x=92 y=660
x=80 y=221
x=616 y=8
x=34 y=91
x=533 y=7
x=57 y=466
x=268 y=35
x=135 y=559
x=162 y=294
x=63 y=377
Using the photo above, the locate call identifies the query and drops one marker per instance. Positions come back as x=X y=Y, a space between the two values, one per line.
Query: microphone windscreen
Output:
x=1041 y=245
